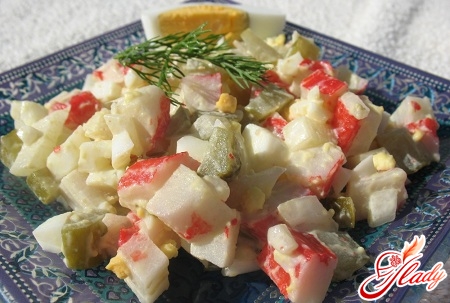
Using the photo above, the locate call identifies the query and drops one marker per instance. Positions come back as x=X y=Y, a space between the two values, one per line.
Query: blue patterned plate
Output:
x=29 y=274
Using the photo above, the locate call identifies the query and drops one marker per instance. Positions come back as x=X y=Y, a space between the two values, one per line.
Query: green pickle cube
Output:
x=80 y=235
x=43 y=185
x=268 y=101
x=221 y=159
x=344 y=211
x=10 y=146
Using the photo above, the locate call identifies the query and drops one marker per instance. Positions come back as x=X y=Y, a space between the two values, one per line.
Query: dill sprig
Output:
x=161 y=58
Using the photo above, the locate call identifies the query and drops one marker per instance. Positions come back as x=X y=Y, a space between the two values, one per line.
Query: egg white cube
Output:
x=264 y=149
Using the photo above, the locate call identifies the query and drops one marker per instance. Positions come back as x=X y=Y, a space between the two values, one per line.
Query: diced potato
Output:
x=95 y=156
x=78 y=195
x=118 y=124
x=64 y=158
x=121 y=148
x=26 y=112
x=382 y=207
x=312 y=107
x=361 y=189
x=303 y=133
x=150 y=107
x=307 y=214
x=249 y=192
x=32 y=157
x=96 y=128
x=106 y=91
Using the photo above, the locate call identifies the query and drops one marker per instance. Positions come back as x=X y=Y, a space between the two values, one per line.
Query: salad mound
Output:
x=264 y=176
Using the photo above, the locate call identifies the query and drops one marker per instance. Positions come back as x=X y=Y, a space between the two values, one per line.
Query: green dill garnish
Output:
x=161 y=58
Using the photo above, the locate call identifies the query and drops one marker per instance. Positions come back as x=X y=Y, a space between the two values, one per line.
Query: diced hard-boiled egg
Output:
x=264 y=149
x=228 y=20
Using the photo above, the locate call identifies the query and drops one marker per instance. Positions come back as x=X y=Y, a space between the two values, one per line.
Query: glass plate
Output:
x=29 y=274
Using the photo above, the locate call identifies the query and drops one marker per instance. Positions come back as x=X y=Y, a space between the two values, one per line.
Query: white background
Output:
x=414 y=32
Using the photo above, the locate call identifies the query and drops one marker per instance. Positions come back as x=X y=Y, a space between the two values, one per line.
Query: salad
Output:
x=262 y=171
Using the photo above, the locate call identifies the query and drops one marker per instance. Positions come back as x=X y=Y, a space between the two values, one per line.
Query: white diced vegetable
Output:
x=150 y=107
x=362 y=189
x=26 y=113
x=303 y=133
x=306 y=214
x=105 y=91
x=64 y=158
x=95 y=156
x=78 y=195
x=107 y=179
x=382 y=207
x=121 y=148
x=96 y=127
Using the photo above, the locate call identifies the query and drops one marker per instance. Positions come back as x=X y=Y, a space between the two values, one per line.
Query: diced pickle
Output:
x=407 y=153
x=10 y=145
x=344 y=211
x=80 y=236
x=221 y=160
x=179 y=122
x=307 y=48
x=351 y=256
x=43 y=185
x=269 y=100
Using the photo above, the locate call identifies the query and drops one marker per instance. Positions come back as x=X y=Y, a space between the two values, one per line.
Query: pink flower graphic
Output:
x=395 y=260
